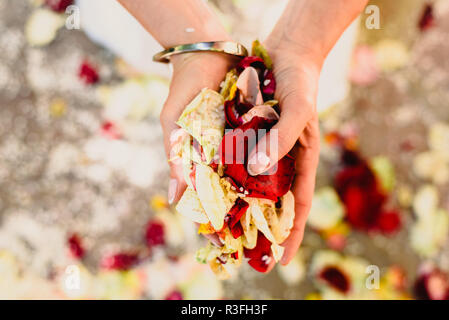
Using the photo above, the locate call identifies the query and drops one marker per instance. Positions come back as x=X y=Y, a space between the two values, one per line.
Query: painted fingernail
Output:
x=172 y=188
x=258 y=163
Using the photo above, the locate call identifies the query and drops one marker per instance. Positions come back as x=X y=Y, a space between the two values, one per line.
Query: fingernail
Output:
x=172 y=188
x=258 y=163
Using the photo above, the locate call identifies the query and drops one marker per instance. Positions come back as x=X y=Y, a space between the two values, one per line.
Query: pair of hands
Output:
x=297 y=76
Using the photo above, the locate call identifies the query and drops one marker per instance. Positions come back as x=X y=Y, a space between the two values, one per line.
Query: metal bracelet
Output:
x=228 y=47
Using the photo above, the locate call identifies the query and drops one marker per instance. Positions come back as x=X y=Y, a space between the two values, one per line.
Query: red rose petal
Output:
x=119 y=261
x=174 y=295
x=336 y=278
x=75 y=246
x=268 y=84
x=274 y=185
x=260 y=256
x=389 y=222
x=154 y=234
x=427 y=19
x=88 y=73
x=234 y=112
x=237 y=211
x=58 y=5
x=433 y=285
x=236 y=230
x=231 y=114
x=363 y=197
x=251 y=61
x=234 y=154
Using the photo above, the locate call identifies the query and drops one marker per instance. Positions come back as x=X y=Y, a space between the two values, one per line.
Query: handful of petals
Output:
x=251 y=215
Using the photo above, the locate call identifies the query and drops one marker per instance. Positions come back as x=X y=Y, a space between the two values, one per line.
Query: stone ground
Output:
x=40 y=196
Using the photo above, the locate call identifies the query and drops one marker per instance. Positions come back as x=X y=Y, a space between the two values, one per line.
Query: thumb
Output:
x=296 y=113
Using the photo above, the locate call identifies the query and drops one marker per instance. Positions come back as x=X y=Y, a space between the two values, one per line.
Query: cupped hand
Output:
x=297 y=78
x=191 y=73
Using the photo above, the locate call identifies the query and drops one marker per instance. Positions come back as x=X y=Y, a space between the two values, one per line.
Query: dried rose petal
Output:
x=268 y=186
x=174 y=295
x=261 y=255
x=234 y=112
x=268 y=84
x=249 y=87
x=236 y=230
x=427 y=19
x=432 y=285
x=154 y=234
x=110 y=130
x=88 y=73
x=75 y=246
x=119 y=261
x=237 y=211
x=58 y=5
x=234 y=149
x=232 y=118
x=336 y=278
x=251 y=61
x=274 y=185
x=263 y=111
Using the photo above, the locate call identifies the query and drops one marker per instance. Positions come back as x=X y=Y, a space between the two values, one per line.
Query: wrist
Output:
x=218 y=62
x=292 y=51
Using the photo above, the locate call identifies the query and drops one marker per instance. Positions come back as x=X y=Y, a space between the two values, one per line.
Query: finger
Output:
x=183 y=89
x=177 y=184
x=303 y=188
x=296 y=112
x=182 y=92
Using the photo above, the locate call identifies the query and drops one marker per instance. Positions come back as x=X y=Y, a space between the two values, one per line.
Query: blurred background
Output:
x=83 y=175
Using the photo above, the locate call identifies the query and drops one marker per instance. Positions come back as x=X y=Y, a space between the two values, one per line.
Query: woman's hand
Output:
x=297 y=78
x=191 y=73
x=298 y=45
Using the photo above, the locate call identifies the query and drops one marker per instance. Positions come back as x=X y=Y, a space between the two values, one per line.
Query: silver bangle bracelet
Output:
x=227 y=47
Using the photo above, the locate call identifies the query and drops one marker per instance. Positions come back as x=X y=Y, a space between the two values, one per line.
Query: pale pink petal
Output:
x=249 y=85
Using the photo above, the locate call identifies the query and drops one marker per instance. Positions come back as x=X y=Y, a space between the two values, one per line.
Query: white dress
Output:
x=109 y=24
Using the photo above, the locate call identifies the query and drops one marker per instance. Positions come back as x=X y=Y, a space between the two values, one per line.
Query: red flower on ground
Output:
x=432 y=285
x=154 y=234
x=88 y=73
x=58 y=5
x=427 y=19
x=75 y=246
x=120 y=261
x=336 y=278
x=174 y=295
x=363 y=197
x=237 y=230
x=110 y=130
